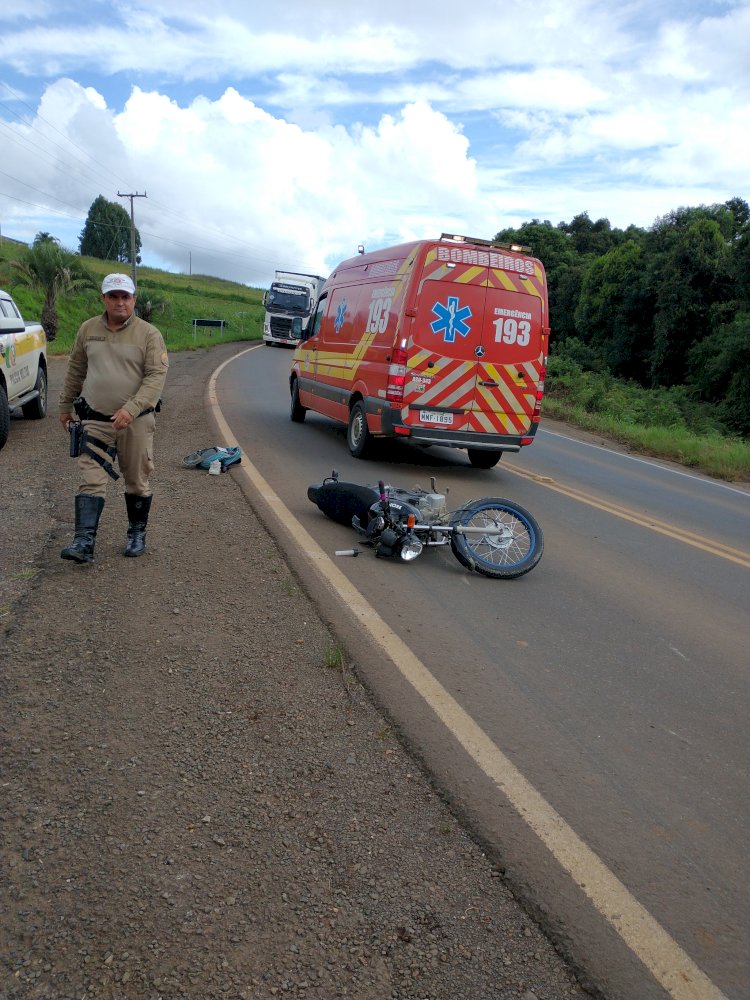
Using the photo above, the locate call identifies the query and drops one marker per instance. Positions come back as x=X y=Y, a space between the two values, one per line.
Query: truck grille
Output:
x=281 y=326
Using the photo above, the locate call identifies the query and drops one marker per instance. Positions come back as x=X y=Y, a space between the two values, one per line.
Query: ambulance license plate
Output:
x=431 y=417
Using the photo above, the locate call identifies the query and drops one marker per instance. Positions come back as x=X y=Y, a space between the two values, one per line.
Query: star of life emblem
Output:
x=451 y=319
x=340 y=316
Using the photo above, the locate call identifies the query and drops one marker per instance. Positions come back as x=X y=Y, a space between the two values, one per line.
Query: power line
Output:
x=40 y=118
x=157 y=204
x=258 y=256
x=206 y=251
x=53 y=162
x=44 y=194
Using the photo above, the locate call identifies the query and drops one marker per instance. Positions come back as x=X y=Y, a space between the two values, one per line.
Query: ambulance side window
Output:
x=314 y=327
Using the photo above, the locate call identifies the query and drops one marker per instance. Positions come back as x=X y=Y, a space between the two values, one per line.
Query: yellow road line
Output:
x=645 y=521
x=660 y=953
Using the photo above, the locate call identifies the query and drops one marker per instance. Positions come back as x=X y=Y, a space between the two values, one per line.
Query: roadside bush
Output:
x=627 y=402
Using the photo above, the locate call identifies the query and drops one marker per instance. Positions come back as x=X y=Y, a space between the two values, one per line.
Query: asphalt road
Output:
x=613 y=678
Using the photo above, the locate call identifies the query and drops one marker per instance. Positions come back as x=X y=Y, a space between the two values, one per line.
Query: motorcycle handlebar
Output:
x=383 y=496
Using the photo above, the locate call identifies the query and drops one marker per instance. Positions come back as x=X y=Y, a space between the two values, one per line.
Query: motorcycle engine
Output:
x=433 y=505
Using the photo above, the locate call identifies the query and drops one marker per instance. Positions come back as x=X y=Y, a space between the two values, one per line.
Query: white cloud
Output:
x=275 y=139
x=191 y=43
x=230 y=177
x=20 y=10
x=554 y=89
x=712 y=47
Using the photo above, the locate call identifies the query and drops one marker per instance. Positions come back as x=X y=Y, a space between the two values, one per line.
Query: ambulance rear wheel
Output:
x=358 y=436
x=482 y=459
x=297 y=411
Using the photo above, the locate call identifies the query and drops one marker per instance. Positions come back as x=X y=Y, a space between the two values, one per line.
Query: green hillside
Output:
x=177 y=300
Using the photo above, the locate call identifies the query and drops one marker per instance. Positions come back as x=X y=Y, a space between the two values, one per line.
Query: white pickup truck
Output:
x=23 y=366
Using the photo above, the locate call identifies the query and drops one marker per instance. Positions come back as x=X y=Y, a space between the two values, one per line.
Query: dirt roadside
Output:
x=196 y=802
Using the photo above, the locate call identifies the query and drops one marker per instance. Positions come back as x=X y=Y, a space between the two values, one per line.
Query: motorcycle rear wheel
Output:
x=505 y=556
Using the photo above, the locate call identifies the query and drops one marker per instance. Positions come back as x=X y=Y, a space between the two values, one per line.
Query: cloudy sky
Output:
x=269 y=135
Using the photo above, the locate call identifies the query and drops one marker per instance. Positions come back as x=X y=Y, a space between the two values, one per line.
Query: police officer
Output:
x=114 y=380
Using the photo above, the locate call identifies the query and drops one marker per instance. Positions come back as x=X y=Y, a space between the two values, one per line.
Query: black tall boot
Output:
x=138 y=508
x=88 y=512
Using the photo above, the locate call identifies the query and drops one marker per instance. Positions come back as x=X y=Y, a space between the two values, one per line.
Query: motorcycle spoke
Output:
x=504 y=540
x=510 y=547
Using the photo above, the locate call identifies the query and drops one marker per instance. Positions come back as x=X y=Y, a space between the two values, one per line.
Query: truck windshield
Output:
x=291 y=299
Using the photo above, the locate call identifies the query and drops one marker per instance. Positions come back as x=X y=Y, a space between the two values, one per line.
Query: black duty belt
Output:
x=86 y=412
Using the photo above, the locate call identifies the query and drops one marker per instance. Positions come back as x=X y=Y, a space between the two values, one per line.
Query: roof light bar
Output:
x=513 y=247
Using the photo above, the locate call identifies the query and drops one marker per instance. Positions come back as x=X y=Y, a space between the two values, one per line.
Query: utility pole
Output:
x=132 y=230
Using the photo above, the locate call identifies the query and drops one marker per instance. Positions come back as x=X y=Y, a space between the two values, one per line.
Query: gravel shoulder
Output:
x=196 y=802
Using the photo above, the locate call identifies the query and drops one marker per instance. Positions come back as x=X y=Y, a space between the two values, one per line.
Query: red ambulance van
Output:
x=437 y=342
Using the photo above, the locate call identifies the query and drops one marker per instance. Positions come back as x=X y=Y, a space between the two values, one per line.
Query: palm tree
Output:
x=149 y=308
x=50 y=269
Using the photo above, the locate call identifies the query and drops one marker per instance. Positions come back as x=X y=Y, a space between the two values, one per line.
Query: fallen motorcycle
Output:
x=492 y=536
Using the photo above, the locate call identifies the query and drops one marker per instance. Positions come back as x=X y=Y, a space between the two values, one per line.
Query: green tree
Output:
x=148 y=307
x=589 y=237
x=740 y=211
x=740 y=268
x=106 y=233
x=614 y=314
x=53 y=271
x=565 y=284
x=720 y=372
x=690 y=275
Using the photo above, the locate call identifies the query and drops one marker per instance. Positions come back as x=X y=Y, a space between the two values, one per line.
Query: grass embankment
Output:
x=178 y=299
x=663 y=423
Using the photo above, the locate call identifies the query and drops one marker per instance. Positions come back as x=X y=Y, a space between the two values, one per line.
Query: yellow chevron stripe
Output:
x=418 y=358
x=469 y=275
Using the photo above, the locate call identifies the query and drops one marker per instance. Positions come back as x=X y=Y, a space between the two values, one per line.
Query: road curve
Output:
x=587 y=719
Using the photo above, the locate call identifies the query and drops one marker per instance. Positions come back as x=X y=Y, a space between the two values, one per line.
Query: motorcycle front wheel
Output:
x=512 y=545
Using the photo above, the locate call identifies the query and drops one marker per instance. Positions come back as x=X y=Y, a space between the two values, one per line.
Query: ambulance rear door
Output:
x=477 y=347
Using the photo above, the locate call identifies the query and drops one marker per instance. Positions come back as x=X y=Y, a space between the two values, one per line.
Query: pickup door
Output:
x=23 y=366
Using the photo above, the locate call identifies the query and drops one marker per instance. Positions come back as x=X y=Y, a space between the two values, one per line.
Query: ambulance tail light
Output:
x=394 y=390
x=536 y=415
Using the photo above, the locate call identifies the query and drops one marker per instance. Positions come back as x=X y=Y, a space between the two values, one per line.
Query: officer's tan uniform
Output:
x=113 y=370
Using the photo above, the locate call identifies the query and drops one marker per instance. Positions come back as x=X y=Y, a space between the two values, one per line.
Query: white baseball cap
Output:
x=118 y=283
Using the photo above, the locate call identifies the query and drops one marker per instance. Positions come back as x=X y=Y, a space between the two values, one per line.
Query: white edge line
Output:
x=660 y=953
x=707 y=481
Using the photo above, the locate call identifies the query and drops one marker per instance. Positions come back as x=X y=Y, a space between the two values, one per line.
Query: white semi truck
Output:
x=290 y=303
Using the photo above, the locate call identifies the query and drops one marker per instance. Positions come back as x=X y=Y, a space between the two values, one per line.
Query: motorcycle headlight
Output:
x=410 y=548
